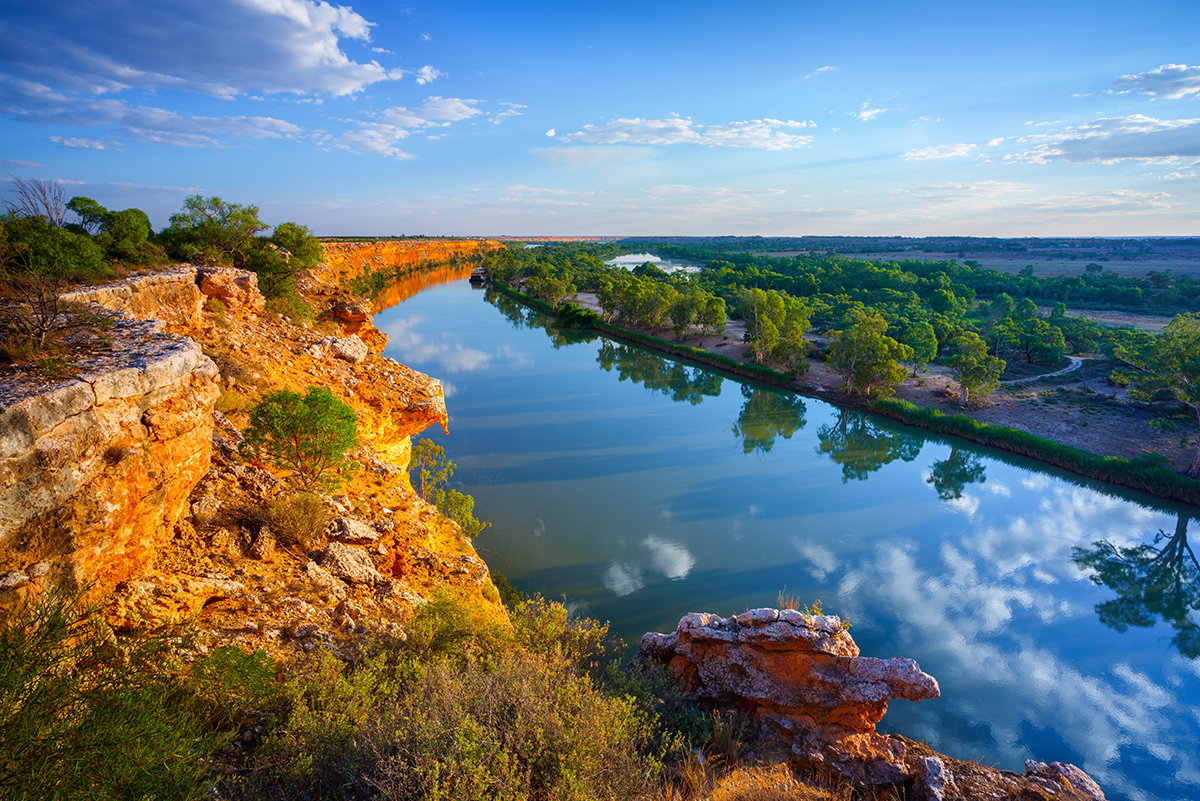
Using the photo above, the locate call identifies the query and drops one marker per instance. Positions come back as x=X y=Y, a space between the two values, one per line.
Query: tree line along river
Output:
x=1059 y=615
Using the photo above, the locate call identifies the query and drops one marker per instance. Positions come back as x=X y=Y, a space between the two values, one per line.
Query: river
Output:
x=1059 y=615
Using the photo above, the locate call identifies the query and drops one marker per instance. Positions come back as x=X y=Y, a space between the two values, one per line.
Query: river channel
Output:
x=1058 y=615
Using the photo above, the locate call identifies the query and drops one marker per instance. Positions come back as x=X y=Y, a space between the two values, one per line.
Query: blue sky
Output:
x=797 y=118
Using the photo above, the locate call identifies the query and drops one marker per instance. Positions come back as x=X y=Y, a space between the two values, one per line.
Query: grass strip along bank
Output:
x=1146 y=475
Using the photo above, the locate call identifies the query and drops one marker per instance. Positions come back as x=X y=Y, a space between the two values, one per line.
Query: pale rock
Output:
x=351 y=529
x=350 y=564
x=350 y=349
x=13 y=579
x=1056 y=773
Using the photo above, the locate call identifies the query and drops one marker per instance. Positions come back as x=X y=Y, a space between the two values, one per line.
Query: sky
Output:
x=1005 y=118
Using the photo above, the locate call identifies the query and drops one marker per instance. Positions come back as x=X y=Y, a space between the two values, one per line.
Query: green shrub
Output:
x=462 y=709
x=299 y=519
x=84 y=715
x=433 y=472
x=308 y=434
x=291 y=305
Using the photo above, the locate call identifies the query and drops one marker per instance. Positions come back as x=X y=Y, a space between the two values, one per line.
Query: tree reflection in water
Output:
x=1155 y=580
x=522 y=317
x=861 y=447
x=766 y=415
x=665 y=376
x=951 y=475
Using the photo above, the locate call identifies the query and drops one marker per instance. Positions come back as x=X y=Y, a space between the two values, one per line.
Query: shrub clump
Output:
x=308 y=434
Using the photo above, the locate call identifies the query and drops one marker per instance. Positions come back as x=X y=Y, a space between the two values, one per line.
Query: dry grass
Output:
x=775 y=783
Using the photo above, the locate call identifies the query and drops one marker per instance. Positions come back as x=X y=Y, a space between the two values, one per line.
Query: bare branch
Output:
x=38 y=197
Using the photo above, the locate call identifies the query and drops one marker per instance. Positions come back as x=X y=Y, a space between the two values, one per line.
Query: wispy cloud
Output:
x=32 y=102
x=865 y=113
x=819 y=70
x=18 y=164
x=939 y=152
x=92 y=144
x=1113 y=139
x=1172 y=81
x=224 y=48
x=763 y=134
x=590 y=156
x=510 y=110
x=382 y=135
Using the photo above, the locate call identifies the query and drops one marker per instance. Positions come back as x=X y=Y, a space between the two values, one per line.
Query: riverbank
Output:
x=1063 y=421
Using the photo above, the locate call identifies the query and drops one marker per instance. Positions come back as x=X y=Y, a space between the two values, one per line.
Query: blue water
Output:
x=637 y=489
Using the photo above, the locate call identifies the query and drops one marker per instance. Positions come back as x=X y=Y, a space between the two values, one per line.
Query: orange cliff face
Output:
x=345 y=261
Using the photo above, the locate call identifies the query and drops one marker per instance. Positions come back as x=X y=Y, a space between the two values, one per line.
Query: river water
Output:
x=639 y=488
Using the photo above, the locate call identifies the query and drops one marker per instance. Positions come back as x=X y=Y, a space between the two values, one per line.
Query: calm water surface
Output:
x=640 y=488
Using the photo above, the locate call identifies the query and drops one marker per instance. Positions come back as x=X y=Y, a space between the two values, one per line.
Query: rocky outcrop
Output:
x=172 y=296
x=95 y=471
x=799 y=678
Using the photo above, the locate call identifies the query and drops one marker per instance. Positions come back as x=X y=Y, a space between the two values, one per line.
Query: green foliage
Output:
x=1169 y=364
x=212 y=231
x=36 y=248
x=290 y=305
x=434 y=471
x=972 y=367
x=866 y=358
x=304 y=249
x=462 y=709
x=572 y=315
x=307 y=434
x=87 y=716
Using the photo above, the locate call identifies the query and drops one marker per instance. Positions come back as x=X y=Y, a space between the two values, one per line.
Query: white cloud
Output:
x=32 y=102
x=866 y=114
x=18 y=164
x=1113 y=139
x=425 y=37
x=383 y=135
x=764 y=134
x=550 y=132
x=819 y=70
x=939 y=152
x=428 y=74
x=996 y=141
x=1170 y=80
x=222 y=47
x=93 y=144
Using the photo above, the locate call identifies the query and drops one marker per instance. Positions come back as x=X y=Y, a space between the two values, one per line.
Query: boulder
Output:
x=351 y=529
x=350 y=564
x=351 y=348
x=799 y=677
x=237 y=289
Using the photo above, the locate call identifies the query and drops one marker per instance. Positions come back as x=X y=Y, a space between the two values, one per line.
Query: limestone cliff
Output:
x=125 y=479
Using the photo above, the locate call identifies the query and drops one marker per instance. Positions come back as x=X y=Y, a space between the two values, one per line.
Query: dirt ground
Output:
x=1076 y=408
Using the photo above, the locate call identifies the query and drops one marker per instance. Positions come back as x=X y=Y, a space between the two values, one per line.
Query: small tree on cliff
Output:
x=308 y=434
x=433 y=471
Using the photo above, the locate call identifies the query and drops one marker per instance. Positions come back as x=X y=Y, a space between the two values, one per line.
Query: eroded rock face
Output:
x=95 y=471
x=800 y=677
